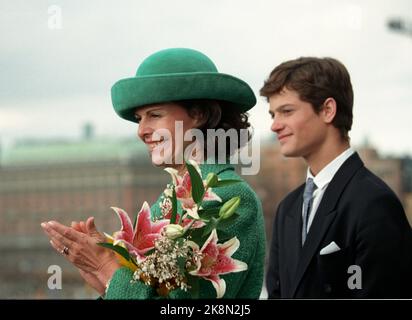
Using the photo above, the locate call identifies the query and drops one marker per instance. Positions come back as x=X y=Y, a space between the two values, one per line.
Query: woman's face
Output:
x=159 y=130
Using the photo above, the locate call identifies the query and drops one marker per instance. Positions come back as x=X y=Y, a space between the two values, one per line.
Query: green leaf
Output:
x=148 y=253
x=174 y=207
x=179 y=241
x=224 y=223
x=188 y=228
x=207 y=214
x=209 y=227
x=120 y=250
x=181 y=217
x=196 y=236
x=193 y=282
x=198 y=190
x=224 y=236
x=181 y=263
x=224 y=183
x=211 y=180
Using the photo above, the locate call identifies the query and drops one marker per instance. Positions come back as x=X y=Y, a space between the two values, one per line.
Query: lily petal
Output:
x=212 y=240
x=127 y=227
x=186 y=185
x=168 y=193
x=109 y=238
x=159 y=225
x=219 y=285
x=143 y=225
x=175 y=175
x=192 y=212
x=196 y=225
x=211 y=196
x=196 y=165
x=229 y=247
x=187 y=203
x=137 y=253
x=193 y=245
x=216 y=258
x=228 y=265
x=239 y=266
x=147 y=242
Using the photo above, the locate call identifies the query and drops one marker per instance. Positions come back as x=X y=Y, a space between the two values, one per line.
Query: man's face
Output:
x=300 y=131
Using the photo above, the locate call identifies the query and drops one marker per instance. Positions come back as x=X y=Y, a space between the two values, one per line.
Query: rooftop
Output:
x=35 y=152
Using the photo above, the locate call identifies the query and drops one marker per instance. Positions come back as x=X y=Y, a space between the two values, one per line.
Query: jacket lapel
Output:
x=293 y=225
x=325 y=214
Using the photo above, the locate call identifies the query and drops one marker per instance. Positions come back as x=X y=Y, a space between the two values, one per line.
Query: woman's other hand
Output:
x=89 y=277
x=82 y=251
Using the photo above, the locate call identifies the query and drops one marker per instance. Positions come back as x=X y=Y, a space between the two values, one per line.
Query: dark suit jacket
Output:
x=363 y=216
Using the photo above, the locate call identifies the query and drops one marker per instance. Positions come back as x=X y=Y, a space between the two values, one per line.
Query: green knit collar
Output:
x=215 y=168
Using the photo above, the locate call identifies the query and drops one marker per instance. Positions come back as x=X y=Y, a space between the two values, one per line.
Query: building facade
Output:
x=70 y=181
x=65 y=182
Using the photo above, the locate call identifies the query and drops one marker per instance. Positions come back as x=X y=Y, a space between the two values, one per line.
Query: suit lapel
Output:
x=325 y=214
x=293 y=225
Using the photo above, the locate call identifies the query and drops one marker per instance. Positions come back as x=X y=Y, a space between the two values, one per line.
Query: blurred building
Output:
x=388 y=169
x=279 y=175
x=65 y=181
x=407 y=186
x=396 y=172
x=72 y=180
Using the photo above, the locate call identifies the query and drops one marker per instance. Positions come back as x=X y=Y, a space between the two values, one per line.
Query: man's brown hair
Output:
x=315 y=80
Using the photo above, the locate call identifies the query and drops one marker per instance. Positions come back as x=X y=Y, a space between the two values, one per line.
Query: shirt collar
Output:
x=324 y=176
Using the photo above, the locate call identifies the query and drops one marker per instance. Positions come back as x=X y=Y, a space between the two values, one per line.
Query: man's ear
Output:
x=329 y=109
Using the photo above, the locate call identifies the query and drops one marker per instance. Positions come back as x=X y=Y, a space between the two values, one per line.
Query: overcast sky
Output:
x=54 y=80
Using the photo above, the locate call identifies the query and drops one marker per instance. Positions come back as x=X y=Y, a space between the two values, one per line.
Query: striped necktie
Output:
x=310 y=187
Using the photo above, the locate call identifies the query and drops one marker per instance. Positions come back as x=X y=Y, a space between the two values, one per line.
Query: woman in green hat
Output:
x=178 y=86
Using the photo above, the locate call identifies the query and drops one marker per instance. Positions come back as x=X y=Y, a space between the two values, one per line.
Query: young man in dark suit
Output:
x=344 y=233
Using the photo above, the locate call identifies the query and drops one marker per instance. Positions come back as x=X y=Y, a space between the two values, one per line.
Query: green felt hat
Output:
x=178 y=74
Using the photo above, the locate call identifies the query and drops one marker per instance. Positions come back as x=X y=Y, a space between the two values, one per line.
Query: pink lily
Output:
x=186 y=221
x=183 y=189
x=142 y=238
x=216 y=260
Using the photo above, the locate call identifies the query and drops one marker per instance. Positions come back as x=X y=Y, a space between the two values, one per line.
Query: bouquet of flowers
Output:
x=181 y=246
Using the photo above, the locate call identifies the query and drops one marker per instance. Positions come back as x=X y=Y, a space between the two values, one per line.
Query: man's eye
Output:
x=154 y=115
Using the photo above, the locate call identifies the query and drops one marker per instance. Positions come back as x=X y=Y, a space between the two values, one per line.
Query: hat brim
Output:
x=131 y=93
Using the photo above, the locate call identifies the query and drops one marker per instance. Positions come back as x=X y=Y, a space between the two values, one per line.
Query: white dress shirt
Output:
x=322 y=180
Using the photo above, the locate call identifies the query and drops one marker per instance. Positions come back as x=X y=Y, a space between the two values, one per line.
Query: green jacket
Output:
x=248 y=227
